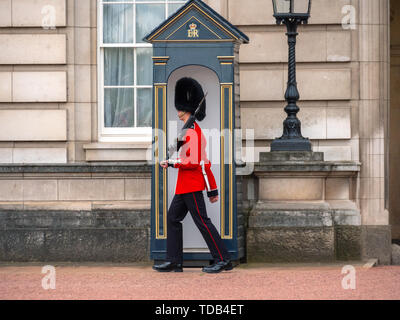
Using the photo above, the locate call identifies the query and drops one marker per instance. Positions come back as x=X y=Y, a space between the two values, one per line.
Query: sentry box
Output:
x=196 y=42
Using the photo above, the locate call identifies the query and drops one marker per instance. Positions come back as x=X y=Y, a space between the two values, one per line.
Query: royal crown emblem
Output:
x=193 y=32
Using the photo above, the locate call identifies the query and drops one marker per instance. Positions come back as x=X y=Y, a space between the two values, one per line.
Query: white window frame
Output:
x=136 y=134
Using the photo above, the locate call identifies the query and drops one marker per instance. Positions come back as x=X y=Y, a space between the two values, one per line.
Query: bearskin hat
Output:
x=188 y=94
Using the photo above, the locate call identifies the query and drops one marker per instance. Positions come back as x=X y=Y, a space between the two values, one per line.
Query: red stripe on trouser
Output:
x=207 y=227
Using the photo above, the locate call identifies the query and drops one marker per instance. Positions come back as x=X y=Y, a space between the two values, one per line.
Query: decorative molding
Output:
x=228 y=86
x=162 y=87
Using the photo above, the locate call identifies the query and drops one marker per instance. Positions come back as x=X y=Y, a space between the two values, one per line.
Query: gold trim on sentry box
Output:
x=156 y=162
x=165 y=156
x=157 y=178
x=230 y=163
x=230 y=208
x=160 y=61
x=182 y=13
x=203 y=40
x=192 y=17
x=225 y=60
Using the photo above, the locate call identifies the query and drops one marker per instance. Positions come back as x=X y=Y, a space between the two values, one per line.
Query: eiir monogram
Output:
x=193 y=32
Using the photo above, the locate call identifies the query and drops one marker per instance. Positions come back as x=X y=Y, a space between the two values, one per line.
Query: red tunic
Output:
x=190 y=175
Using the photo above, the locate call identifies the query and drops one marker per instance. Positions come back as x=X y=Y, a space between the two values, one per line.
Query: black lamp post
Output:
x=291 y=13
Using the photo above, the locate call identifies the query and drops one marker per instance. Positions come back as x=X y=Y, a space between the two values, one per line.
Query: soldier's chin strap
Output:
x=179 y=141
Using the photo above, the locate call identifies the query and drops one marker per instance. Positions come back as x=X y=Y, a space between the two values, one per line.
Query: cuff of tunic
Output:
x=212 y=193
x=172 y=162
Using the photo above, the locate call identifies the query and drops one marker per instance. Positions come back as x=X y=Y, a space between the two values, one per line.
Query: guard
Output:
x=194 y=175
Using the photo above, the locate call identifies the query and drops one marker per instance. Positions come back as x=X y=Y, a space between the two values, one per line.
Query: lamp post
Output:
x=291 y=13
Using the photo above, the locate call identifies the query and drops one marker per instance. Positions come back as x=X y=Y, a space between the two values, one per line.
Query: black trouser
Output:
x=180 y=205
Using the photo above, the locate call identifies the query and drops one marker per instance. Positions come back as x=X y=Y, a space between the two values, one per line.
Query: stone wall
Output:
x=53 y=204
x=33 y=90
x=75 y=212
x=326 y=76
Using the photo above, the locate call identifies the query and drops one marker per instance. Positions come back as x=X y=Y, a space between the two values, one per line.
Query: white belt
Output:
x=205 y=175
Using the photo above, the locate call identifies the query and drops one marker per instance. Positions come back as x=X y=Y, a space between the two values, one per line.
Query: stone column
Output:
x=373 y=30
x=394 y=150
x=305 y=209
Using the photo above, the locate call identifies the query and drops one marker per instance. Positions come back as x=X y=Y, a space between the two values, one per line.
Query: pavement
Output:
x=332 y=281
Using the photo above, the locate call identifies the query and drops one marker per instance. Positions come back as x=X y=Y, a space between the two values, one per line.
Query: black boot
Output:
x=218 y=267
x=168 y=267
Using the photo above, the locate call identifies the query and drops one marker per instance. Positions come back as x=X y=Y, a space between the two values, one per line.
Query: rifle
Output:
x=179 y=141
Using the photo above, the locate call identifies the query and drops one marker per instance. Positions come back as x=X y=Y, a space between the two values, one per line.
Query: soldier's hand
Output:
x=213 y=199
x=164 y=164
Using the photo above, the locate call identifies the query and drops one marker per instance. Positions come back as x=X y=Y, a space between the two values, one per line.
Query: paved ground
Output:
x=255 y=281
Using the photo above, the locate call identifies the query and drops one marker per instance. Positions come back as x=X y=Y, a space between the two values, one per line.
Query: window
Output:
x=125 y=66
